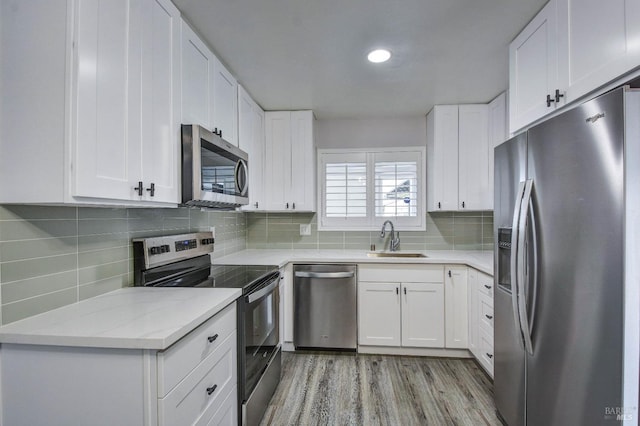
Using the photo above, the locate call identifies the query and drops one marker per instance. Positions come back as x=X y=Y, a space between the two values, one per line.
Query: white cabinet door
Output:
x=225 y=103
x=533 y=69
x=595 y=40
x=160 y=98
x=303 y=183
x=442 y=158
x=379 y=314
x=277 y=177
x=456 y=314
x=104 y=145
x=473 y=307
x=497 y=135
x=251 y=140
x=197 y=79
x=423 y=315
x=473 y=157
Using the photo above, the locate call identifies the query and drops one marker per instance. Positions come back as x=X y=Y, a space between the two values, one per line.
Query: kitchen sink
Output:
x=394 y=254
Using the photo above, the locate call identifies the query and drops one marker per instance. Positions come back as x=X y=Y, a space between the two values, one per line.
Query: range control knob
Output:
x=154 y=250
x=206 y=241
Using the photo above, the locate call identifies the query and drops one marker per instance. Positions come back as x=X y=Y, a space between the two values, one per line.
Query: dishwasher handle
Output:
x=303 y=274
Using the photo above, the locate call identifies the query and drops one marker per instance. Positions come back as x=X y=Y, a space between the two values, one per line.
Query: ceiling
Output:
x=311 y=54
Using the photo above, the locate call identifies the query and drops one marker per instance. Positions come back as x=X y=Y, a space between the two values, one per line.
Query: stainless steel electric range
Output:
x=183 y=261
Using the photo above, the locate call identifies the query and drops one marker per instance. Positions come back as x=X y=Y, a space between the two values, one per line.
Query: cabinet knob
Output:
x=549 y=101
x=139 y=188
x=212 y=389
x=152 y=189
x=213 y=338
x=489 y=316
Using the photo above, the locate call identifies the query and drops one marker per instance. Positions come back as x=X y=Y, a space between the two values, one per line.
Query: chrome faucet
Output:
x=395 y=236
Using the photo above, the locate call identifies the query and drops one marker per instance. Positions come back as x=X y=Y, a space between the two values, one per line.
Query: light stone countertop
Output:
x=480 y=260
x=128 y=318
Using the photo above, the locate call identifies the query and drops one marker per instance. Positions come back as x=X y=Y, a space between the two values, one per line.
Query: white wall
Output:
x=371 y=132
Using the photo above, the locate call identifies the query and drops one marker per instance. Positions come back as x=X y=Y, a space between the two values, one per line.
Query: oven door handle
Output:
x=301 y=274
x=263 y=291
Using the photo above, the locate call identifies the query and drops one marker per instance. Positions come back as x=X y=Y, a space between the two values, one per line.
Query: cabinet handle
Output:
x=489 y=355
x=139 y=188
x=549 y=101
x=439 y=205
x=213 y=338
x=559 y=95
x=488 y=287
x=287 y=205
x=449 y=274
x=463 y=204
x=405 y=291
x=397 y=291
x=152 y=189
x=489 y=316
x=256 y=205
x=294 y=206
x=213 y=388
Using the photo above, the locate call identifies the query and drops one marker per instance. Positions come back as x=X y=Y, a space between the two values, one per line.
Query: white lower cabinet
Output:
x=480 y=322
x=194 y=381
x=456 y=311
x=401 y=305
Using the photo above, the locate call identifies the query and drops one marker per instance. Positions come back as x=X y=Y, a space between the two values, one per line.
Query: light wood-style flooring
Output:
x=348 y=389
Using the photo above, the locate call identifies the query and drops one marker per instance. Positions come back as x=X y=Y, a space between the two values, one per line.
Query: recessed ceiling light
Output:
x=379 y=55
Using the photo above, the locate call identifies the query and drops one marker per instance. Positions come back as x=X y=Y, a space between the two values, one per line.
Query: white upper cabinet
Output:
x=458 y=158
x=225 y=103
x=597 y=42
x=473 y=158
x=570 y=49
x=289 y=181
x=498 y=133
x=113 y=127
x=197 y=65
x=251 y=140
x=442 y=158
x=209 y=90
x=533 y=70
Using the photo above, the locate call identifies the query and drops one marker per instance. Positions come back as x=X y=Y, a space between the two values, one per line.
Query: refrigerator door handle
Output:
x=522 y=265
x=515 y=238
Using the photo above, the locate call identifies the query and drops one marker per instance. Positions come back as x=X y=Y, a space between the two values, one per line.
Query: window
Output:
x=360 y=189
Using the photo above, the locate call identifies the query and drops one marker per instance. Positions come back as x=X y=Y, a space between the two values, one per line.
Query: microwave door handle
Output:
x=515 y=239
x=241 y=169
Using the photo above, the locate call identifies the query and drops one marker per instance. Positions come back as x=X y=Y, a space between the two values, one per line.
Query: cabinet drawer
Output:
x=486 y=351
x=200 y=394
x=177 y=361
x=227 y=414
x=486 y=314
x=405 y=273
x=485 y=284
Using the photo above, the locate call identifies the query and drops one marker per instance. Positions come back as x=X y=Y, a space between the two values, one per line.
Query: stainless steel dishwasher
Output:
x=325 y=306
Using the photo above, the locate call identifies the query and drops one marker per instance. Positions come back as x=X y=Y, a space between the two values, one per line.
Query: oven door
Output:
x=259 y=319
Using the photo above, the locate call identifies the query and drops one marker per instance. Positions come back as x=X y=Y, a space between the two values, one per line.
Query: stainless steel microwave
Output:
x=214 y=172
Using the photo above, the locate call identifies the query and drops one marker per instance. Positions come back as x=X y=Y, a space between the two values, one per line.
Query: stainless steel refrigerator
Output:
x=567 y=260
